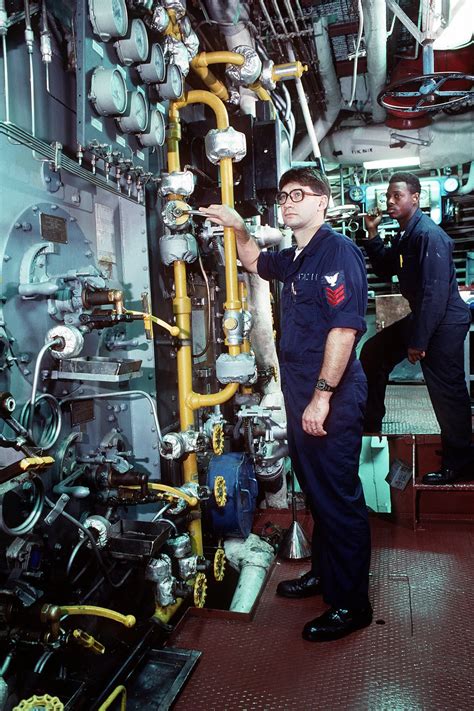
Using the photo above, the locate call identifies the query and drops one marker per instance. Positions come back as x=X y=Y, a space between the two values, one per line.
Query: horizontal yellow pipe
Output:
x=198 y=96
x=196 y=400
x=204 y=59
x=175 y=493
x=125 y=620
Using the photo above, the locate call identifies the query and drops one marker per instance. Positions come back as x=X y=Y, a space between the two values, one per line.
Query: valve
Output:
x=220 y=491
x=218 y=439
x=200 y=590
x=88 y=641
x=219 y=565
x=36 y=703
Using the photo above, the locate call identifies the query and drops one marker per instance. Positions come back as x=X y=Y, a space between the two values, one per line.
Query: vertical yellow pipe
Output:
x=182 y=311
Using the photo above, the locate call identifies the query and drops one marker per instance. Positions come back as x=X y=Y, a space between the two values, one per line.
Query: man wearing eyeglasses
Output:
x=324 y=299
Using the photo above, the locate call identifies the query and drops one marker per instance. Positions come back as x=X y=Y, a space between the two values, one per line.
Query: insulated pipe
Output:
x=375 y=12
x=469 y=186
x=305 y=108
x=253 y=558
x=331 y=86
x=450 y=141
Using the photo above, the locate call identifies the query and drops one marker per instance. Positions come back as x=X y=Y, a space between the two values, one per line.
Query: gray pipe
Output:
x=375 y=12
x=331 y=86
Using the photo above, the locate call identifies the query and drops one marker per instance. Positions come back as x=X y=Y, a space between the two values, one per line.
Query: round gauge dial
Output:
x=108 y=18
x=154 y=71
x=108 y=91
x=172 y=87
x=356 y=193
x=451 y=184
x=155 y=133
x=134 y=48
x=137 y=117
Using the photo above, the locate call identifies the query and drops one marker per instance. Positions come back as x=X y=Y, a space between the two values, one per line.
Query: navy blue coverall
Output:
x=325 y=287
x=422 y=258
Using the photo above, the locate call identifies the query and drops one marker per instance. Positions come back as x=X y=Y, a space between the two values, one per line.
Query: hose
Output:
x=92 y=540
x=30 y=521
x=50 y=433
x=34 y=387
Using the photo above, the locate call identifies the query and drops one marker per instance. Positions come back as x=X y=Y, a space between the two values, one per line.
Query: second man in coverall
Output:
x=421 y=255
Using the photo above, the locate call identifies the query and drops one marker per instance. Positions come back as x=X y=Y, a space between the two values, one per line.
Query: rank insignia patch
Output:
x=335 y=290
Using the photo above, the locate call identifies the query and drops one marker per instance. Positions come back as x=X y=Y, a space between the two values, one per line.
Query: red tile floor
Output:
x=416 y=656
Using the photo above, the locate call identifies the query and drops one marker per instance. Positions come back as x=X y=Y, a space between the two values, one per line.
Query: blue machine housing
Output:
x=235 y=518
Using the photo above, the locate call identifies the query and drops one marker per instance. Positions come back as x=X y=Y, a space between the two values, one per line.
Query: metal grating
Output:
x=409 y=411
x=415 y=656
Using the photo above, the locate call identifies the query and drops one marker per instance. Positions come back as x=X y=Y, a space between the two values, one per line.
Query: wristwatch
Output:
x=321 y=384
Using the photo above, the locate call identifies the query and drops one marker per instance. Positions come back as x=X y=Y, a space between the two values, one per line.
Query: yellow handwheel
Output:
x=218 y=439
x=200 y=590
x=47 y=702
x=219 y=565
x=220 y=491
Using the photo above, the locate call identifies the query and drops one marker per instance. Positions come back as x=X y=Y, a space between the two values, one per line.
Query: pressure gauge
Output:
x=108 y=91
x=108 y=18
x=451 y=184
x=154 y=71
x=136 y=119
x=172 y=87
x=155 y=132
x=134 y=48
x=356 y=193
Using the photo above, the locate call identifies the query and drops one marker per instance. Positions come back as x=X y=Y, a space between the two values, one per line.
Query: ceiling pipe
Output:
x=331 y=87
x=375 y=13
x=449 y=140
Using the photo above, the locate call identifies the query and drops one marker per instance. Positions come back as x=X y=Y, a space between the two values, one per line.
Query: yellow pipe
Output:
x=111 y=698
x=197 y=400
x=125 y=620
x=203 y=59
x=173 y=330
x=200 y=65
x=164 y=614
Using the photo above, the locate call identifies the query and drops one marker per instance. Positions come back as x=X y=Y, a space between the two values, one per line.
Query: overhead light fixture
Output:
x=391 y=163
x=459 y=26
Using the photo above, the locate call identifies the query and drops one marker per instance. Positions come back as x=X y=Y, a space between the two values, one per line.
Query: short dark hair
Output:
x=311 y=177
x=413 y=184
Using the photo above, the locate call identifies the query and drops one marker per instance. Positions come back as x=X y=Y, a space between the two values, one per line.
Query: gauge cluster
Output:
x=122 y=80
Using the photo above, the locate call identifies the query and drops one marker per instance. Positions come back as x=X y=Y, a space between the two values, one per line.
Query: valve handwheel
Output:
x=200 y=590
x=220 y=491
x=219 y=564
x=425 y=93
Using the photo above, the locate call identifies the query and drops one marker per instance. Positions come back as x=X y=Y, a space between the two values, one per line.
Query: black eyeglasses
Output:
x=295 y=196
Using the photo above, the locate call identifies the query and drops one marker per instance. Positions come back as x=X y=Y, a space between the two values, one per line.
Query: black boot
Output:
x=307 y=585
x=337 y=623
x=449 y=475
